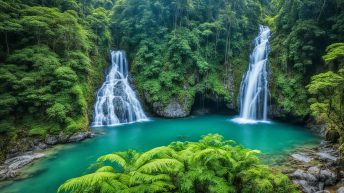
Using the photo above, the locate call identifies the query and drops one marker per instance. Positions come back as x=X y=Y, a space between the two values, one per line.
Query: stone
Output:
x=41 y=146
x=305 y=186
x=20 y=161
x=340 y=190
x=12 y=165
x=323 y=191
x=302 y=175
x=298 y=174
x=321 y=185
x=62 y=138
x=51 y=140
x=79 y=136
x=318 y=128
x=315 y=171
x=174 y=109
x=326 y=156
x=301 y=157
x=328 y=177
x=3 y=173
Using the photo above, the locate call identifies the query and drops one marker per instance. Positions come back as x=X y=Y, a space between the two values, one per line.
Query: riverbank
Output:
x=16 y=158
x=317 y=169
x=68 y=161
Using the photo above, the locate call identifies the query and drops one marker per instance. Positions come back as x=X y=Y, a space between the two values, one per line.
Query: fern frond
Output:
x=138 y=177
x=161 y=165
x=86 y=182
x=161 y=152
x=106 y=169
x=114 y=158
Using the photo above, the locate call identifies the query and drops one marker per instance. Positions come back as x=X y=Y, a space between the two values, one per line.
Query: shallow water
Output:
x=68 y=161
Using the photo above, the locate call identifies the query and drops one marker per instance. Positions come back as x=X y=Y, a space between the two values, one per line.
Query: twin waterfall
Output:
x=253 y=98
x=116 y=100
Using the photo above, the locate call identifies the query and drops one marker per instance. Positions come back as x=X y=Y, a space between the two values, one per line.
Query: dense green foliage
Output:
x=179 y=48
x=52 y=57
x=302 y=29
x=328 y=91
x=210 y=165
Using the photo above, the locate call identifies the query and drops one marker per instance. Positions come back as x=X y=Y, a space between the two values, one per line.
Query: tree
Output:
x=328 y=91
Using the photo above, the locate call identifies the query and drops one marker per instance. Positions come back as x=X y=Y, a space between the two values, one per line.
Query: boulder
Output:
x=79 y=136
x=301 y=157
x=298 y=174
x=340 y=190
x=51 y=140
x=302 y=175
x=40 y=146
x=174 y=109
x=12 y=165
x=20 y=161
x=315 y=171
x=3 y=173
x=305 y=186
x=62 y=138
x=328 y=177
x=327 y=157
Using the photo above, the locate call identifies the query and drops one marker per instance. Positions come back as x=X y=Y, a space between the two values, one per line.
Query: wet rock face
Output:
x=17 y=158
x=12 y=165
x=302 y=157
x=340 y=190
x=315 y=169
x=174 y=109
x=51 y=140
x=328 y=177
x=314 y=179
x=76 y=137
x=62 y=138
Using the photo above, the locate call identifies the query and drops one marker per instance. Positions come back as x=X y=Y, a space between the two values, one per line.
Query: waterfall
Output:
x=116 y=101
x=253 y=98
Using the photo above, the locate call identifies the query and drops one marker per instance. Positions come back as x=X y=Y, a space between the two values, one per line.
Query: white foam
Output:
x=240 y=120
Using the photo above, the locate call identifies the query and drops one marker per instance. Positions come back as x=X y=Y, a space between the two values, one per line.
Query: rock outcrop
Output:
x=11 y=167
x=20 y=153
x=173 y=109
x=316 y=169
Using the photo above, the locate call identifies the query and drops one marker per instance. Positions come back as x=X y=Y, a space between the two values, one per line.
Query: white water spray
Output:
x=116 y=100
x=253 y=98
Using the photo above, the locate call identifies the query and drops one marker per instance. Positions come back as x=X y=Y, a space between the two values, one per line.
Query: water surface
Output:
x=72 y=160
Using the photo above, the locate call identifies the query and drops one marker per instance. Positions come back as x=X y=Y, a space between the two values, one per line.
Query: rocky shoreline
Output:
x=18 y=157
x=316 y=170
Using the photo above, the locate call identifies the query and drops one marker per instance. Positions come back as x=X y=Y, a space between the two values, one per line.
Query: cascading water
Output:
x=116 y=100
x=253 y=98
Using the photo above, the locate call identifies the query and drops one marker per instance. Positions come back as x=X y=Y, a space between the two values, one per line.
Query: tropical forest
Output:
x=171 y=96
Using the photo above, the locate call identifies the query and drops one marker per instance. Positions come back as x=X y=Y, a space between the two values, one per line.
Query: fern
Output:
x=87 y=183
x=114 y=158
x=211 y=165
x=161 y=165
